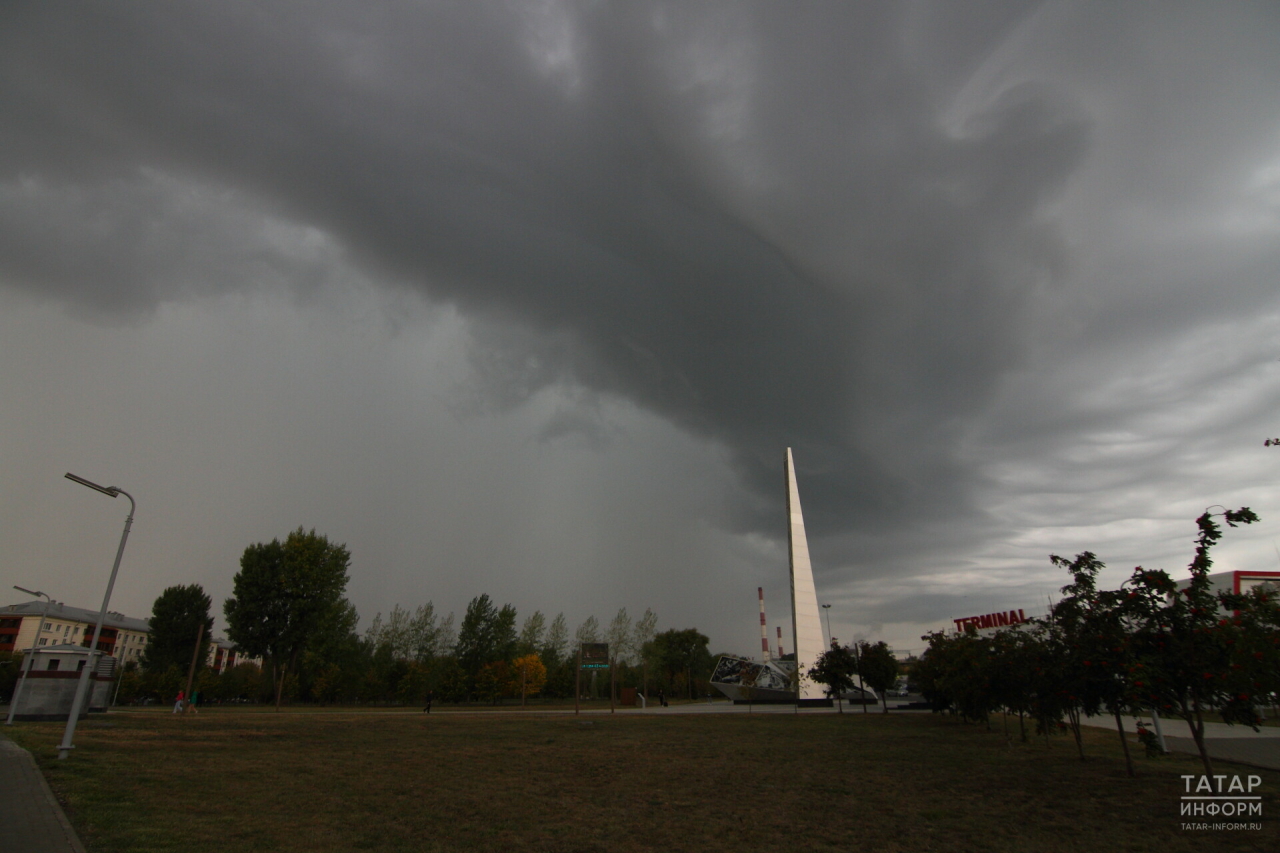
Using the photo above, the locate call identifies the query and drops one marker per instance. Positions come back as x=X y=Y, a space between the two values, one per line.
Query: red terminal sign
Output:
x=991 y=620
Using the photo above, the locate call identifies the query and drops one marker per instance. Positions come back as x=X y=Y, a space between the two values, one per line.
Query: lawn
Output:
x=253 y=780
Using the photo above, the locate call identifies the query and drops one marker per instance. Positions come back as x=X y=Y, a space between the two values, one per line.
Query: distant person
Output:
x=177 y=706
x=662 y=698
x=430 y=698
x=193 y=702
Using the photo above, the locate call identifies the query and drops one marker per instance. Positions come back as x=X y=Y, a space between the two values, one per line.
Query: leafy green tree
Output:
x=1097 y=664
x=488 y=635
x=642 y=635
x=834 y=670
x=588 y=631
x=532 y=633
x=681 y=658
x=1189 y=652
x=176 y=617
x=288 y=596
x=556 y=645
x=878 y=668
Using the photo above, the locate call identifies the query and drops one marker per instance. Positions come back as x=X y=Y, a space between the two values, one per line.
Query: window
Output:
x=48 y=626
x=80 y=668
x=53 y=664
x=44 y=640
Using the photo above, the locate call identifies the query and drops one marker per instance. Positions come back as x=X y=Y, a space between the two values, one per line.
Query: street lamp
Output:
x=827 y=607
x=82 y=687
x=26 y=664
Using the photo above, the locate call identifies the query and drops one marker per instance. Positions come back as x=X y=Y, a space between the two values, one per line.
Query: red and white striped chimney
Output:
x=764 y=629
x=781 y=653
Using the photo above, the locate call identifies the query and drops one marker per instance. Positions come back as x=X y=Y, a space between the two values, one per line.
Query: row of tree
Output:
x=863 y=664
x=1183 y=651
x=289 y=608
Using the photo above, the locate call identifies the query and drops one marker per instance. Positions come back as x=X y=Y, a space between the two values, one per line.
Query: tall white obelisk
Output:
x=806 y=624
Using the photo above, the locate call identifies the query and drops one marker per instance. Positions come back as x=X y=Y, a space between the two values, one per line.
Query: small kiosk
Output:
x=47 y=690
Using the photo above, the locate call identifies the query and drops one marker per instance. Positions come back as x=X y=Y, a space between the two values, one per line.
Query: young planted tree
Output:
x=1098 y=667
x=1188 y=650
x=834 y=670
x=642 y=635
x=618 y=636
x=878 y=668
x=288 y=596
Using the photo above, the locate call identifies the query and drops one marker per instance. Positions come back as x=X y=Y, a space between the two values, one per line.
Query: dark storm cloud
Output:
x=750 y=219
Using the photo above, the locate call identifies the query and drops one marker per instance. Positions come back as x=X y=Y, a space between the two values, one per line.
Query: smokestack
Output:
x=781 y=653
x=764 y=629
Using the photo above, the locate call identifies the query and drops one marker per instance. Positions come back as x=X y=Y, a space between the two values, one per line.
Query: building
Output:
x=47 y=691
x=123 y=637
x=224 y=655
x=1239 y=582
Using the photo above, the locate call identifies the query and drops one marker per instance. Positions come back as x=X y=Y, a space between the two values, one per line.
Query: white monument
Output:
x=806 y=624
x=773 y=680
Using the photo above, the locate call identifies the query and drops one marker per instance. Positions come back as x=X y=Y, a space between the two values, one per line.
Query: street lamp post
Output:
x=26 y=664
x=82 y=687
x=827 y=608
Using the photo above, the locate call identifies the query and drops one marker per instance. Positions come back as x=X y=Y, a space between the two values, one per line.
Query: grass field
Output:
x=253 y=780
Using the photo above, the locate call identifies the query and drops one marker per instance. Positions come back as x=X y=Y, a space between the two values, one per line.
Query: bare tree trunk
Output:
x=1195 y=722
x=1124 y=742
x=1073 y=716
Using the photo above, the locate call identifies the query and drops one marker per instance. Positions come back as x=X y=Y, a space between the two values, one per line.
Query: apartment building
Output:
x=20 y=629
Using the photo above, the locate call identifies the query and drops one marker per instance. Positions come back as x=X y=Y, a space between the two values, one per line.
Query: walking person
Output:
x=177 y=706
x=430 y=698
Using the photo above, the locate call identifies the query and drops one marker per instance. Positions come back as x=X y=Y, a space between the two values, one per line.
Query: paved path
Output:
x=1240 y=744
x=32 y=819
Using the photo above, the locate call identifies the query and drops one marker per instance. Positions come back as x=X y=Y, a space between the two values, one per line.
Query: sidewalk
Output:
x=32 y=819
x=1240 y=744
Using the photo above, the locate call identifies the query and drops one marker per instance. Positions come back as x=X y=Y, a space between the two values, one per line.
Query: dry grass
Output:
x=339 y=781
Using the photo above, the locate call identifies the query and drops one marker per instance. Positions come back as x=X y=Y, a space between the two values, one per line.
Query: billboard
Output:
x=594 y=656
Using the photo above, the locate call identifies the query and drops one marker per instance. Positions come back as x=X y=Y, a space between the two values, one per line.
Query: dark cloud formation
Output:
x=847 y=228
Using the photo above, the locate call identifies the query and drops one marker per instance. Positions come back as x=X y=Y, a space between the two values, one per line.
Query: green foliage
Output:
x=680 y=659
x=878 y=668
x=835 y=670
x=287 y=597
x=176 y=617
x=488 y=636
x=556 y=645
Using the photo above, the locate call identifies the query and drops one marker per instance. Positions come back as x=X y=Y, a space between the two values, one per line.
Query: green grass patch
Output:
x=253 y=780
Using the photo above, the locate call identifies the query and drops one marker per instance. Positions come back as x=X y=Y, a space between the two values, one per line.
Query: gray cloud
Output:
x=907 y=240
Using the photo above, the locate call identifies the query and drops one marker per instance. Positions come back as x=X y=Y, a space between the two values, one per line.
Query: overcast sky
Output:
x=529 y=298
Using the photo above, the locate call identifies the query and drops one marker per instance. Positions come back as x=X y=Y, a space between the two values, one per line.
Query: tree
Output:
x=487 y=636
x=556 y=645
x=642 y=636
x=588 y=631
x=680 y=657
x=834 y=670
x=176 y=617
x=878 y=668
x=289 y=595
x=619 y=639
x=1189 y=653
x=531 y=633
x=528 y=676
